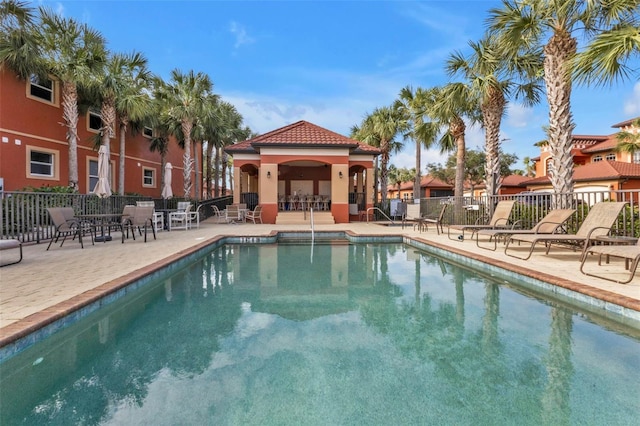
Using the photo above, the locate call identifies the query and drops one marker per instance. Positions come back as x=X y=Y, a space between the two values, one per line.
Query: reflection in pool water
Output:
x=329 y=334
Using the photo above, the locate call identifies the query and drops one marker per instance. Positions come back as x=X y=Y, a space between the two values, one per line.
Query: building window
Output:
x=42 y=163
x=596 y=158
x=549 y=166
x=94 y=121
x=148 y=177
x=93 y=174
x=42 y=89
x=147 y=132
x=636 y=157
x=610 y=157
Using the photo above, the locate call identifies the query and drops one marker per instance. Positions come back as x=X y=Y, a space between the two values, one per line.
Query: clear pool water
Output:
x=330 y=334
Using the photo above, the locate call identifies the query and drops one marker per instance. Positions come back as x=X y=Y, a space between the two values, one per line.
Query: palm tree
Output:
x=72 y=53
x=494 y=77
x=629 y=141
x=453 y=102
x=557 y=26
x=118 y=89
x=413 y=106
x=380 y=128
x=19 y=48
x=186 y=98
x=54 y=46
x=529 y=167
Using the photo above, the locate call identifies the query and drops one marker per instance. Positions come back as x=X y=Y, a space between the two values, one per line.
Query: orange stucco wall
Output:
x=27 y=122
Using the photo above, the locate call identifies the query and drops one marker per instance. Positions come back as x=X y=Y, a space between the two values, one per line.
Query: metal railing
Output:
x=23 y=215
x=531 y=207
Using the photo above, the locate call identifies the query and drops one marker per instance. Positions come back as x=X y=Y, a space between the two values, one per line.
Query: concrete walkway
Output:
x=46 y=285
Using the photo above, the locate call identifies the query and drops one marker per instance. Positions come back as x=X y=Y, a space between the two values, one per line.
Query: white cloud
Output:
x=518 y=115
x=632 y=105
x=241 y=34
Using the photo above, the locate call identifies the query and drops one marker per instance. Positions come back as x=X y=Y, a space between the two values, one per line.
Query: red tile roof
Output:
x=606 y=145
x=514 y=180
x=301 y=134
x=425 y=182
x=625 y=123
x=601 y=170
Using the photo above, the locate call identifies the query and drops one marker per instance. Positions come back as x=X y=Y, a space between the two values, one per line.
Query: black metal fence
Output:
x=23 y=215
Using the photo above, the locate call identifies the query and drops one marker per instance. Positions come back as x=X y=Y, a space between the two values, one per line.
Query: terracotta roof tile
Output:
x=514 y=180
x=601 y=170
x=425 y=182
x=301 y=134
x=625 y=123
x=606 y=145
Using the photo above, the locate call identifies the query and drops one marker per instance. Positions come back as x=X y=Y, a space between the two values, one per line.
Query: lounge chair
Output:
x=254 y=215
x=8 y=245
x=412 y=214
x=142 y=218
x=626 y=252
x=499 y=220
x=547 y=225
x=438 y=220
x=598 y=222
x=67 y=225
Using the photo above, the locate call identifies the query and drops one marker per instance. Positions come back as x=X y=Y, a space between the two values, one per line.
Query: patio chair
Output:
x=219 y=216
x=437 y=220
x=142 y=219
x=598 y=222
x=232 y=213
x=547 y=225
x=626 y=252
x=499 y=220
x=412 y=214
x=254 y=215
x=158 y=217
x=181 y=218
x=67 y=225
x=194 y=217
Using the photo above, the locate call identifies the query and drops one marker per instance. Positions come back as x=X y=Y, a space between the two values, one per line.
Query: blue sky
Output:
x=328 y=62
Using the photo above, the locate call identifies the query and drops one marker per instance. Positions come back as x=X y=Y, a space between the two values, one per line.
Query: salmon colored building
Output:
x=429 y=187
x=598 y=165
x=302 y=165
x=34 y=150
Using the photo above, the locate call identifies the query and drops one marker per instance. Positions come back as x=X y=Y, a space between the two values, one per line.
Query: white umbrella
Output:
x=103 y=189
x=167 y=192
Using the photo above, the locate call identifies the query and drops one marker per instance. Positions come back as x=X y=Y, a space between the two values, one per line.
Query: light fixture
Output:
x=268 y=175
x=340 y=175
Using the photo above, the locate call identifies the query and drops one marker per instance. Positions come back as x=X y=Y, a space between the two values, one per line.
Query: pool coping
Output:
x=49 y=320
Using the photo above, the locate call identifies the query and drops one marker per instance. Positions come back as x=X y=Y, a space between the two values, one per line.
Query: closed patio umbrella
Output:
x=102 y=188
x=167 y=192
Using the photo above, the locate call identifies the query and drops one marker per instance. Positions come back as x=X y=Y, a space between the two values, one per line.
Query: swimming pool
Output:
x=332 y=333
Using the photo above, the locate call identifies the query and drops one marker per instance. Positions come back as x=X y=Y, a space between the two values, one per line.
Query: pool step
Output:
x=298 y=218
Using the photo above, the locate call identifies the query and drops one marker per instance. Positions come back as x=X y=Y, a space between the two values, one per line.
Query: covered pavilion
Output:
x=302 y=166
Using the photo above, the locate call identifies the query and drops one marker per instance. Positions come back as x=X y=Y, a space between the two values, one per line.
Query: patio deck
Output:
x=52 y=283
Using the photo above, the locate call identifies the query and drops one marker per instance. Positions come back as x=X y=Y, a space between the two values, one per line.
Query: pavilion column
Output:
x=268 y=191
x=340 y=192
x=369 y=185
x=237 y=184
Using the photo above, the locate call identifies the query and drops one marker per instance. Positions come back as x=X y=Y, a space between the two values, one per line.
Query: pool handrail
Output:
x=383 y=214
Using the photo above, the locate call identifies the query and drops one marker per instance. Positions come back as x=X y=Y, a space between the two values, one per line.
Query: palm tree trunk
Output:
x=70 y=116
x=216 y=173
x=492 y=111
x=197 y=148
x=384 y=162
x=457 y=128
x=208 y=167
x=560 y=49
x=186 y=159
x=124 y=122
x=225 y=159
x=416 y=184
